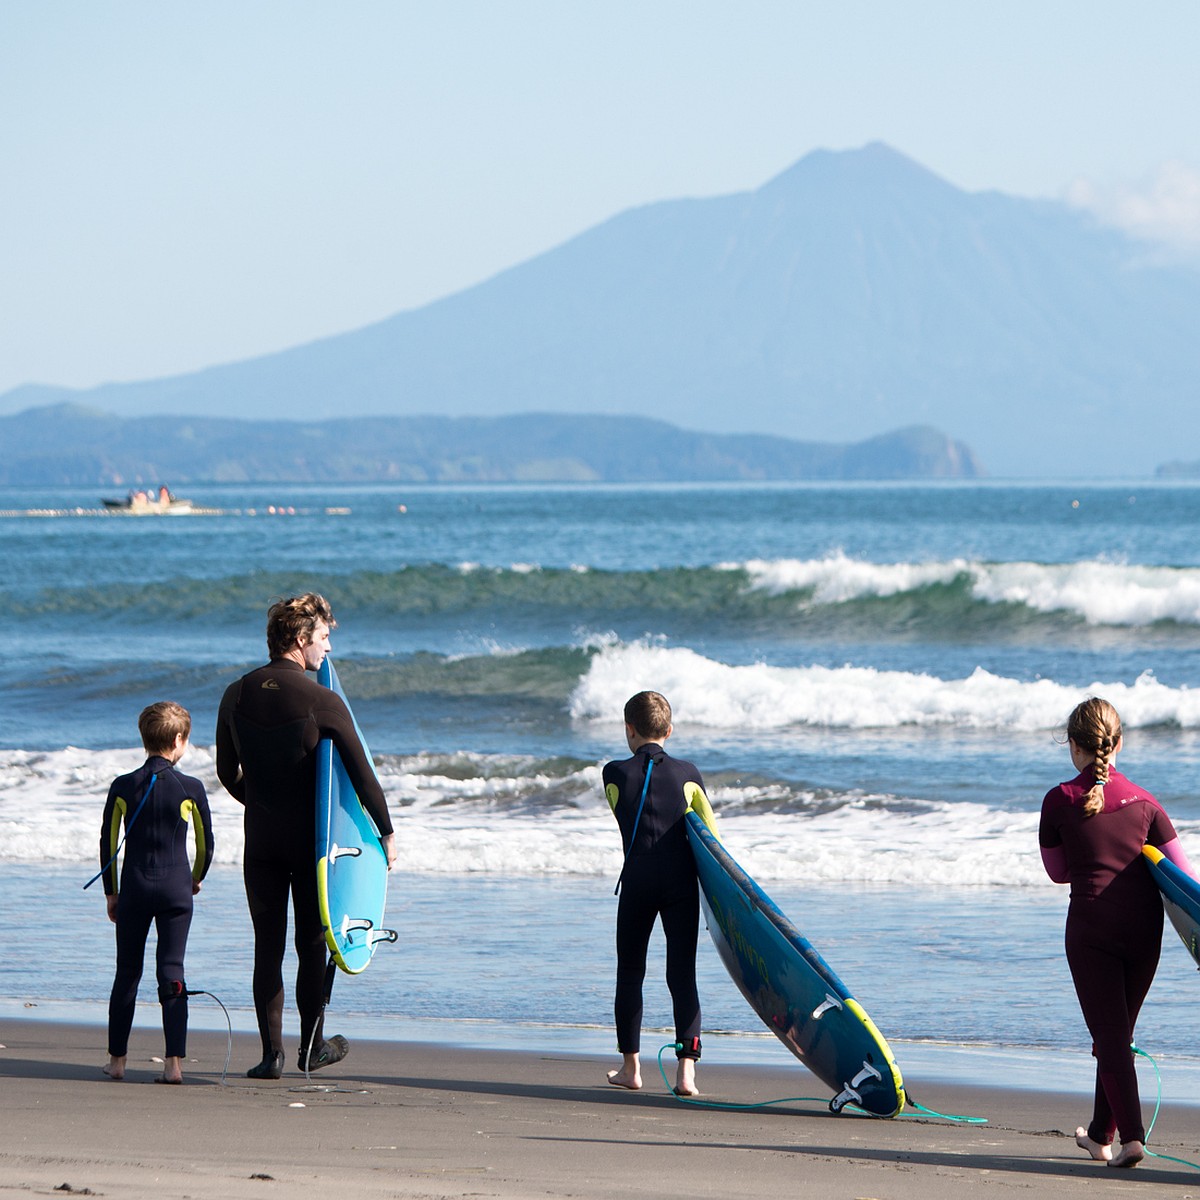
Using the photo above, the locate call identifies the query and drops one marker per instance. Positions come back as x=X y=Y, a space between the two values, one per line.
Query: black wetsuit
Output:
x=155 y=887
x=659 y=879
x=268 y=728
x=1114 y=929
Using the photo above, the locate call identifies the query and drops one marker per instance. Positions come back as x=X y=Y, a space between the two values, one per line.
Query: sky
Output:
x=191 y=182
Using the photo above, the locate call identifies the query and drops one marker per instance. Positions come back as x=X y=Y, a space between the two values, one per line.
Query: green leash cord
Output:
x=928 y=1112
x=1157 y=1105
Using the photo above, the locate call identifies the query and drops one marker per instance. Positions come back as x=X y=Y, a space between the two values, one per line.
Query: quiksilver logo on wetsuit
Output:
x=269 y=685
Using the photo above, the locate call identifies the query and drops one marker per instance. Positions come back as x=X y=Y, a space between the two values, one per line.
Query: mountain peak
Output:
x=873 y=167
x=853 y=293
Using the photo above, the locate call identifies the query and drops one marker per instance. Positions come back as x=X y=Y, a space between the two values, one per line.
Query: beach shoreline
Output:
x=419 y=1119
x=922 y=1062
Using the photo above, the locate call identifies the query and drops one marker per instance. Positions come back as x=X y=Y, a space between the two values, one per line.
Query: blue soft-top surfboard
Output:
x=788 y=984
x=1181 y=898
x=351 y=865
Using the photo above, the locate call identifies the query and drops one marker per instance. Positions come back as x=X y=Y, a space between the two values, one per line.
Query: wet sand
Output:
x=426 y=1120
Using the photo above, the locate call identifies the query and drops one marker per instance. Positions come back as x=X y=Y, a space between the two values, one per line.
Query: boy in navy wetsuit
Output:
x=658 y=879
x=157 y=883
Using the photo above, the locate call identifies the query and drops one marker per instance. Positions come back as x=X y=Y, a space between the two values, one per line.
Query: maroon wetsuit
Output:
x=1114 y=929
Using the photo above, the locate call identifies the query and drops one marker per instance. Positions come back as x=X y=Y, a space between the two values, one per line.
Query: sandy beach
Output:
x=426 y=1120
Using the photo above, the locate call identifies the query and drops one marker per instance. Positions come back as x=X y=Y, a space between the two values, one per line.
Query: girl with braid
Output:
x=1092 y=832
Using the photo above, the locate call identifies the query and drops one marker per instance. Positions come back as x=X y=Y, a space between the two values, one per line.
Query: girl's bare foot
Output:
x=115 y=1069
x=1099 y=1152
x=630 y=1074
x=1131 y=1154
x=685 y=1078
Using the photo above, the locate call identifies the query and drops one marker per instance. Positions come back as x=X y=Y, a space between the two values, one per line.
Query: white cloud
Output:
x=1164 y=208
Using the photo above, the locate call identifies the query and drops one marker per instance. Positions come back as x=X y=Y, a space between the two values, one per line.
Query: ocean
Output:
x=874 y=680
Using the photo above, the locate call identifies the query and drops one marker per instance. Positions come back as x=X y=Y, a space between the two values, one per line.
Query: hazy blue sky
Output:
x=183 y=184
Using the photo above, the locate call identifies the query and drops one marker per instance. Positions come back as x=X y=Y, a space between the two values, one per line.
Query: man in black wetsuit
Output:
x=268 y=728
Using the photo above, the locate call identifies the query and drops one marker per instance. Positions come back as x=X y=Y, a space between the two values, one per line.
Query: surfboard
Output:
x=787 y=983
x=1181 y=898
x=351 y=865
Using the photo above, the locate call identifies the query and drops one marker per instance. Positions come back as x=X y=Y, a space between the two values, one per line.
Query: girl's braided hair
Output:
x=1094 y=726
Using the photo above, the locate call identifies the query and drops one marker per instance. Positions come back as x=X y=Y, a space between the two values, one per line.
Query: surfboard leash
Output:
x=1137 y=1050
x=927 y=1112
x=228 y=1024
x=330 y=976
x=693 y=1100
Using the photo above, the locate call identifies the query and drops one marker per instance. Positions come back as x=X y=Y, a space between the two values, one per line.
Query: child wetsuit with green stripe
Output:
x=154 y=888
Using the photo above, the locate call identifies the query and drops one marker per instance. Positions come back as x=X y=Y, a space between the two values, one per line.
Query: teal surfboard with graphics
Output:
x=787 y=983
x=1181 y=898
x=352 y=871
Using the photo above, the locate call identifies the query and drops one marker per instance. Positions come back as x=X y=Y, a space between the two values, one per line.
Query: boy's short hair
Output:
x=648 y=714
x=291 y=619
x=161 y=723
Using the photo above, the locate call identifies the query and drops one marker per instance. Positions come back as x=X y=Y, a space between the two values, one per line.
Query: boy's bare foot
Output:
x=1131 y=1154
x=1099 y=1152
x=622 y=1079
x=172 y=1071
x=685 y=1078
x=630 y=1074
x=115 y=1069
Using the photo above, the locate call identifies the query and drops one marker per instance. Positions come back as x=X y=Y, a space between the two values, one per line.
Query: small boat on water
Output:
x=140 y=502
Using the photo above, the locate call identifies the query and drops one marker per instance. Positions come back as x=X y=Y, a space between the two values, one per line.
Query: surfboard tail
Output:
x=789 y=985
x=889 y=1059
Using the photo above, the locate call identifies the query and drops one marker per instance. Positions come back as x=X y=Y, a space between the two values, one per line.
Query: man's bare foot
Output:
x=115 y=1069
x=172 y=1071
x=1097 y=1150
x=685 y=1078
x=1131 y=1154
x=622 y=1079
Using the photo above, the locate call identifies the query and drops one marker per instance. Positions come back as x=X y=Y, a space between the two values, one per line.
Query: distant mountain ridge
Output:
x=854 y=293
x=73 y=445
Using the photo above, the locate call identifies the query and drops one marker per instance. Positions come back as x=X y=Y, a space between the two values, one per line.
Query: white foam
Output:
x=836 y=579
x=950 y=845
x=471 y=813
x=761 y=697
x=51 y=802
x=1101 y=592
